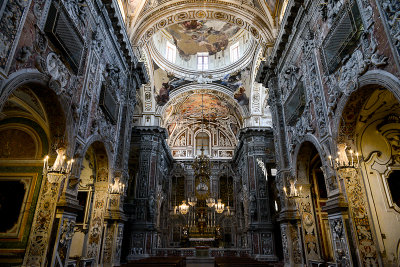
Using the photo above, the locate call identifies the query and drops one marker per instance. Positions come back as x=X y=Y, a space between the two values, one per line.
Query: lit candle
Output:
x=351 y=155
x=330 y=160
x=284 y=189
x=301 y=187
x=45 y=162
x=358 y=161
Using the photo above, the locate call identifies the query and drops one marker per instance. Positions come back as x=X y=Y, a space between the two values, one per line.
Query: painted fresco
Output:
x=164 y=83
x=238 y=82
x=191 y=37
x=213 y=107
x=133 y=8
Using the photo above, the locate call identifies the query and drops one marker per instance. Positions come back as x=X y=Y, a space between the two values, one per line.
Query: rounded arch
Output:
x=59 y=112
x=364 y=122
x=370 y=78
x=102 y=149
x=311 y=139
x=209 y=136
x=306 y=150
x=219 y=90
x=310 y=175
x=259 y=25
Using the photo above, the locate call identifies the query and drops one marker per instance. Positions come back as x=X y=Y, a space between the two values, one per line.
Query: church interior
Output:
x=199 y=133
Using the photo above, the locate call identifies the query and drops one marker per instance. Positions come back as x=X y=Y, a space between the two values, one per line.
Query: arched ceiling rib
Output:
x=258 y=22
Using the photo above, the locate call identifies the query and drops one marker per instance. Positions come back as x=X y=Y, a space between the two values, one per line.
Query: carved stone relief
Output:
x=41 y=228
x=309 y=227
x=341 y=248
x=66 y=233
x=391 y=9
x=12 y=20
x=58 y=72
x=313 y=82
x=360 y=218
x=96 y=222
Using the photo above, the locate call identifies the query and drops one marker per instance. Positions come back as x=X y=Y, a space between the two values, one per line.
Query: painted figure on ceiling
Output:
x=241 y=96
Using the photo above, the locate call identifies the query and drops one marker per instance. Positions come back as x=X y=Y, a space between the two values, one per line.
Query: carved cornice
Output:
x=114 y=19
x=285 y=31
x=335 y=204
x=254 y=131
x=158 y=131
x=154 y=130
x=249 y=132
x=264 y=74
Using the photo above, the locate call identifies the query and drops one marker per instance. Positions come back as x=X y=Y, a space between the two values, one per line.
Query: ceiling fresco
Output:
x=164 y=83
x=194 y=111
x=212 y=107
x=189 y=108
x=191 y=37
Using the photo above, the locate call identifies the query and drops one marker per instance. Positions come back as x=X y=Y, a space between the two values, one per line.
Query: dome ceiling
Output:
x=234 y=35
x=191 y=37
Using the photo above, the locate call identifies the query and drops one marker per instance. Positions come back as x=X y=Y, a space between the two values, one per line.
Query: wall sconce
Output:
x=61 y=167
x=294 y=192
x=116 y=188
x=342 y=161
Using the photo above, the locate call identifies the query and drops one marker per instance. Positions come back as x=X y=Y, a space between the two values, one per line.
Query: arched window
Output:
x=202 y=141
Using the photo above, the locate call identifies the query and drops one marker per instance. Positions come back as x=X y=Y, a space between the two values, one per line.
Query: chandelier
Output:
x=192 y=201
x=61 y=167
x=184 y=208
x=116 y=188
x=219 y=206
x=210 y=202
x=201 y=164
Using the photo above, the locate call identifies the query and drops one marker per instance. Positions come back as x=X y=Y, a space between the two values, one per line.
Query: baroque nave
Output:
x=199 y=133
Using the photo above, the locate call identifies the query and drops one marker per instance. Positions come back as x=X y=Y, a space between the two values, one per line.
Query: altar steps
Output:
x=217 y=262
x=242 y=261
x=158 y=261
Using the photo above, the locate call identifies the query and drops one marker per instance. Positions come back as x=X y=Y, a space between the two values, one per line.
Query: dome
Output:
x=207 y=46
